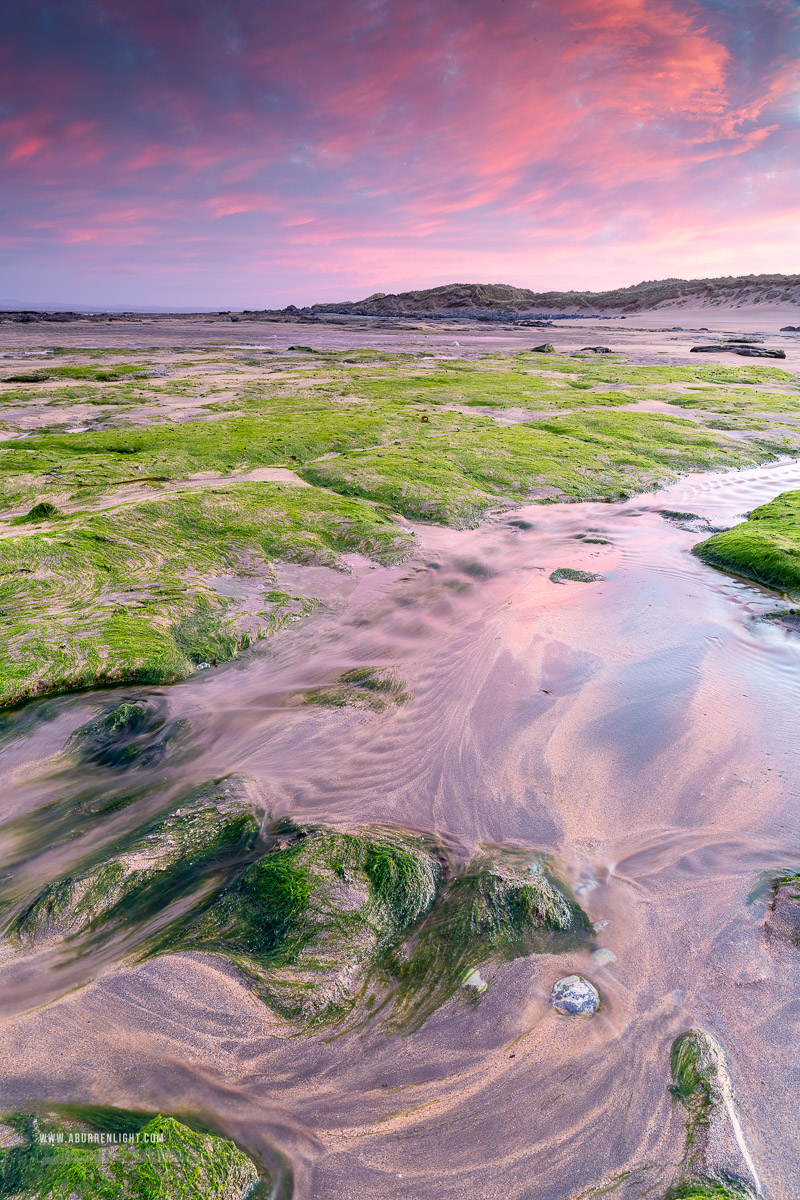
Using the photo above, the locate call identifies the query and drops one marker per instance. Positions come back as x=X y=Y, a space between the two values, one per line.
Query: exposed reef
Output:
x=765 y=547
x=137 y=546
x=320 y=923
x=148 y=869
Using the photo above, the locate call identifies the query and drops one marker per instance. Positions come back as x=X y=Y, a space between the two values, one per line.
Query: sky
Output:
x=256 y=153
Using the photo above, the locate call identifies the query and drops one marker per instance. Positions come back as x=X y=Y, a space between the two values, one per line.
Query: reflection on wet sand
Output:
x=640 y=729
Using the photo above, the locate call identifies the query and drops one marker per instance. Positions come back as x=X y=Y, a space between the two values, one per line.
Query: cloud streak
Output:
x=266 y=153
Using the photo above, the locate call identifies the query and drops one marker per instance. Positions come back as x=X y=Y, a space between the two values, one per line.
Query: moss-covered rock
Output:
x=766 y=547
x=709 y=1189
x=573 y=575
x=134 y=733
x=309 y=922
x=495 y=910
x=148 y=869
x=783 y=915
x=129 y=593
x=155 y=1158
x=362 y=687
x=714 y=1165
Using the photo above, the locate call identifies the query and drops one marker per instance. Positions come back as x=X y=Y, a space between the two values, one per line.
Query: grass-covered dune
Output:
x=765 y=547
x=86 y=1154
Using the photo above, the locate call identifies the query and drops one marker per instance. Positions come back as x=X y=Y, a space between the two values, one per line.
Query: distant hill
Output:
x=729 y=291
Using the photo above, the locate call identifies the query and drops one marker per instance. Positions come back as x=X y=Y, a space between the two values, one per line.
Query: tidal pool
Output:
x=640 y=729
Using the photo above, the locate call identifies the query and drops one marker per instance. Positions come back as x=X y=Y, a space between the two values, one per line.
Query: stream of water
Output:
x=641 y=729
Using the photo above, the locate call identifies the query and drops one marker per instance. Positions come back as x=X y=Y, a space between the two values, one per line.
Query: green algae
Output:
x=362 y=687
x=765 y=547
x=565 y=574
x=128 y=593
x=121 y=606
x=146 y=870
x=40 y=512
x=709 y=1189
x=128 y=1159
x=457 y=472
x=309 y=923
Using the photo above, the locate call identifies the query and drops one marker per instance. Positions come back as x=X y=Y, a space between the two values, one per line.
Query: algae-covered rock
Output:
x=362 y=687
x=783 y=916
x=766 y=547
x=494 y=911
x=326 y=913
x=150 y=1159
x=310 y=921
x=716 y=1155
x=325 y=921
x=44 y=511
x=709 y=1189
x=572 y=574
x=149 y=868
x=126 y=735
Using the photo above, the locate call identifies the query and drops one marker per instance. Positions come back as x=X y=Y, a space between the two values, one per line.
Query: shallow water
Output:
x=641 y=729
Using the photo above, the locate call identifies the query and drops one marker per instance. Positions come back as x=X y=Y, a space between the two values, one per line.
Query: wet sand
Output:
x=642 y=729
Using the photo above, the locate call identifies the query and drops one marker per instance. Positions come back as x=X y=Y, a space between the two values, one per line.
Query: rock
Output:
x=312 y=923
x=603 y=956
x=27 y=377
x=70 y=1155
x=783 y=915
x=747 y=351
x=545 y=348
x=309 y=922
x=474 y=979
x=148 y=868
x=715 y=1144
x=597 y=349
x=562 y=574
x=574 y=996
x=790 y=328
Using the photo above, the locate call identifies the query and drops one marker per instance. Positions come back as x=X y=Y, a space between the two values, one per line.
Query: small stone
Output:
x=575 y=996
x=204 y=666
x=603 y=956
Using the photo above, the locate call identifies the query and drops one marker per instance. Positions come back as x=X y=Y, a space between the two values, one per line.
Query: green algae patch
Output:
x=375 y=688
x=45 y=511
x=572 y=574
x=765 y=548
x=147 y=870
x=151 y=1159
x=309 y=923
x=128 y=594
x=709 y=1189
x=461 y=468
x=132 y=734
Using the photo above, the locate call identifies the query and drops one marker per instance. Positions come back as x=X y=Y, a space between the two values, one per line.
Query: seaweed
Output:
x=100 y=1156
